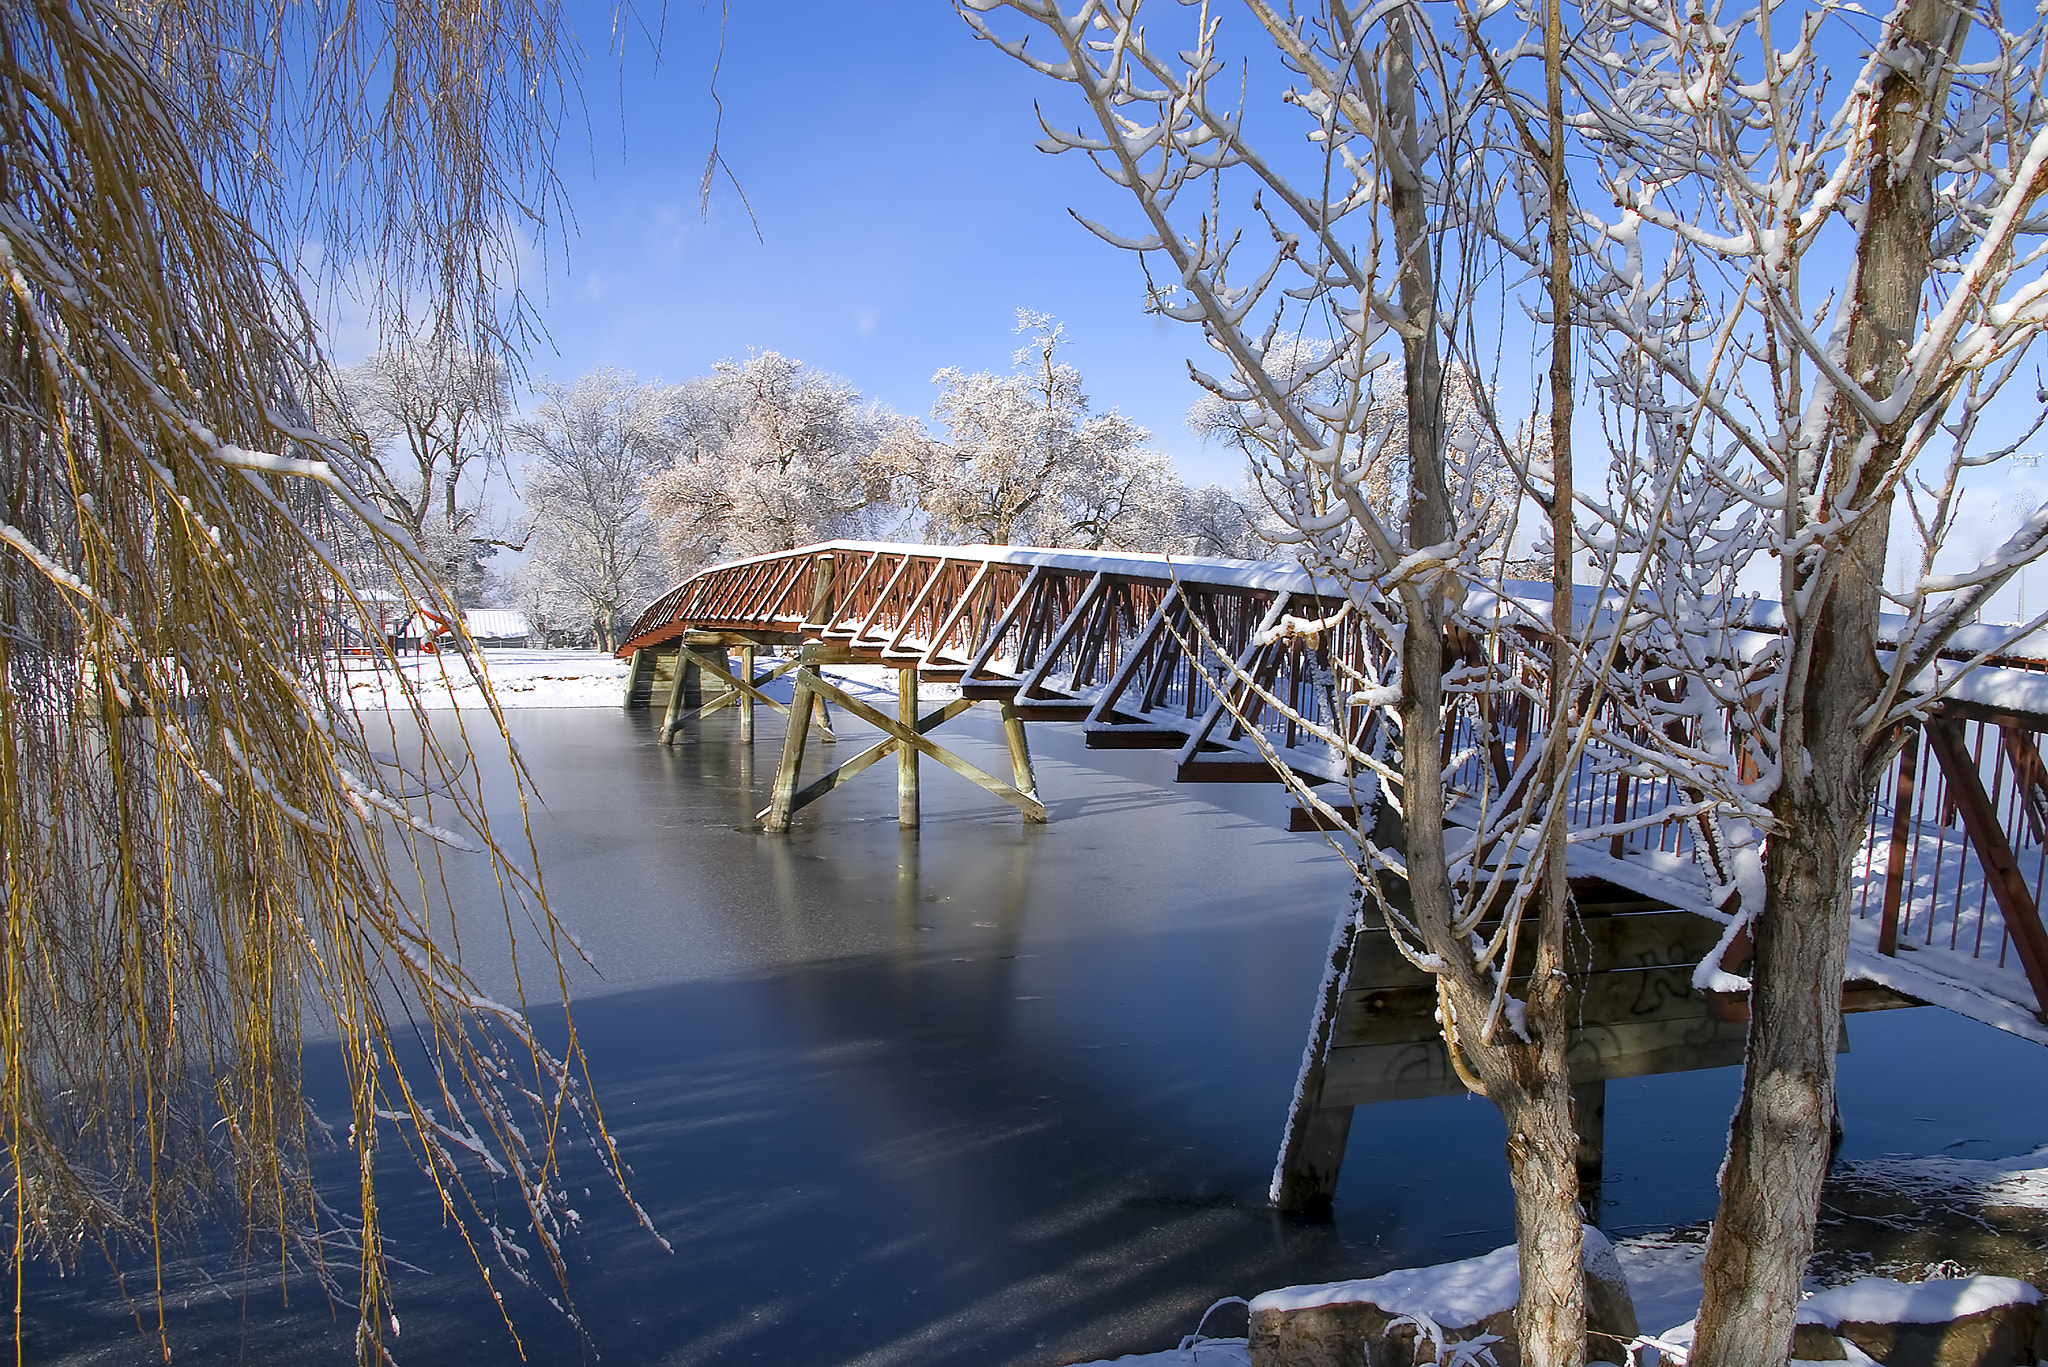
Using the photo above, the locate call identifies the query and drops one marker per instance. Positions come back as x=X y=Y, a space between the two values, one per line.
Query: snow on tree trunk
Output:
x=1778 y=1149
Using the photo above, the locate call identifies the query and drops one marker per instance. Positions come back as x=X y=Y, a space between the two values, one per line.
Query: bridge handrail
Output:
x=2028 y=653
x=1105 y=639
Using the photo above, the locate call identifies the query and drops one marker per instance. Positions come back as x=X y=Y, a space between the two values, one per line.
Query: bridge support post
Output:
x=639 y=677
x=783 y=803
x=1589 y=1114
x=1312 y=1150
x=746 y=698
x=1021 y=774
x=905 y=733
x=907 y=755
x=685 y=694
x=1307 y=1181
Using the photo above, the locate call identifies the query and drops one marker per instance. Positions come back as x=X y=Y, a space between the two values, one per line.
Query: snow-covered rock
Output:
x=1423 y=1314
x=1959 y=1322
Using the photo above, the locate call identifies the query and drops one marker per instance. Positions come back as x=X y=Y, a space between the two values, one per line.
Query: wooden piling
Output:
x=1022 y=776
x=1312 y=1148
x=914 y=736
x=746 y=698
x=637 y=678
x=783 y=803
x=672 y=715
x=906 y=755
x=1589 y=1115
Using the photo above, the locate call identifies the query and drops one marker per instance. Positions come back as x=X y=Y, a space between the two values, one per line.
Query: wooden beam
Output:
x=1223 y=688
x=1589 y=1118
x=906 y=757
x=850 y=593
x=1902 y=834
x=812 y=683
x=2029 y=775
x=961 y=607
x=994 y=638
x=1127 y=671
x=747 y=695
x=1366 y=1074
x=783 y=802
x=819 y=615
x=1021 y=771
x=636 y=677
x=1312 y=1148
x=1994 y=852
x=870 y=757
x=894 y=645
x=1034 y=679
x=861 y=627
x=735 y=690
x=678 y=690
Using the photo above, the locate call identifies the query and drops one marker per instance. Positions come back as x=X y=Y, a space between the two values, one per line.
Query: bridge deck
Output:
x=1147 y=652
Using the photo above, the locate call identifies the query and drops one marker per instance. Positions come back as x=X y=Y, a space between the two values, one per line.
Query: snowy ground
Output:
x=544 y=678
x=1664 y=1268
x=519 y=678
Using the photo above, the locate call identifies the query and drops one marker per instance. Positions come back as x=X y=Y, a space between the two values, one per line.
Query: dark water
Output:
x=983 y=1094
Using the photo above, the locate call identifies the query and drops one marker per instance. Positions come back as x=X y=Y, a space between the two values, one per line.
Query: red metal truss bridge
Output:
x=1142 y=651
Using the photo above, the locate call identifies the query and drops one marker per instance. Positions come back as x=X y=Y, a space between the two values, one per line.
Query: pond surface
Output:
x=985 y=1093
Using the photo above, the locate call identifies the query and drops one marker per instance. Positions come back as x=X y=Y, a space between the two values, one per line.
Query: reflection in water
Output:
x=979 y=1094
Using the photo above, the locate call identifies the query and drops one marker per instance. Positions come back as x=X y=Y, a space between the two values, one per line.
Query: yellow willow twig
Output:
x=197 y=858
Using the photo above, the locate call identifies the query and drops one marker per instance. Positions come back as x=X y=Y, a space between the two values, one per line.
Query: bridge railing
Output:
x=1958 y=847
x=1144 y=652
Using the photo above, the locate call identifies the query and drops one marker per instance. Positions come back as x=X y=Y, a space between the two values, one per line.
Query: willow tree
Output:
x=200 y=853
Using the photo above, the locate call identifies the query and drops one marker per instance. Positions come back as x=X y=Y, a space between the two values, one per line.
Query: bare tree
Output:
x=1765 y=405
x=431 y=414
x=590 y=449
x=1024 y=461
x=1363 y=247
x=1469 y=421
x=774 y=456
x=551 y=608
x=1824 y=268
x=1209 y=520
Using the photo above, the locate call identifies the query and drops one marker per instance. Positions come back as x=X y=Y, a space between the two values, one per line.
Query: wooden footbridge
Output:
x=1182 y=655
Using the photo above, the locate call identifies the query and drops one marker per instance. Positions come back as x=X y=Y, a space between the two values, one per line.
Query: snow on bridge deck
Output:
x=1146 y=651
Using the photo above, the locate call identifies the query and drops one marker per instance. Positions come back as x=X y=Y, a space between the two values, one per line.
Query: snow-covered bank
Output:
x=1663 y=1268
x=519 y=679
x=546 y=678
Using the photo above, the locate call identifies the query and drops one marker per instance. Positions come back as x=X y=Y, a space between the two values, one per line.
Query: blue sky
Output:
x=904 y=212
x=907 y=215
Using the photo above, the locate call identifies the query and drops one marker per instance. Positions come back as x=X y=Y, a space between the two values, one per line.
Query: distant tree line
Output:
x=627 y=485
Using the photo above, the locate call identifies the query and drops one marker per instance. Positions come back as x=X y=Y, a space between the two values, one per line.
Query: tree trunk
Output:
x=1528 y=1081
x=1778 y=1147
x=1543 y=1146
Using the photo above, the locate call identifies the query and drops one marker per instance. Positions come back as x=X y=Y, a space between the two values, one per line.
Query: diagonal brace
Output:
x=2016 y=903
x=873 y=755
x=1033 y=809
x=734 y=687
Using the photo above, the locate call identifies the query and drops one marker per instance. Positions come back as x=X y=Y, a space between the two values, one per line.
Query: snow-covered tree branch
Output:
x=590 y=450
x=1299 y=261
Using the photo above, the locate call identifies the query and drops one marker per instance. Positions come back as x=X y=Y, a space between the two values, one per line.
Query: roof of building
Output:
x=491 y=622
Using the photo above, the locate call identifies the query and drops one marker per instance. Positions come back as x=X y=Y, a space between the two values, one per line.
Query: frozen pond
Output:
x=982 y=1094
